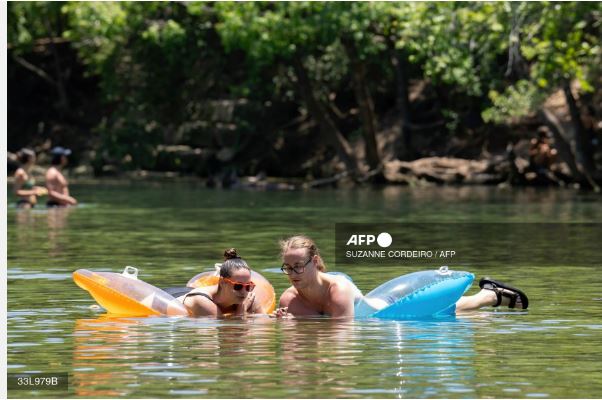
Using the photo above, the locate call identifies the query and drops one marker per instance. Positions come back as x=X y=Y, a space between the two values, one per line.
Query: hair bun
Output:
x=230 y=254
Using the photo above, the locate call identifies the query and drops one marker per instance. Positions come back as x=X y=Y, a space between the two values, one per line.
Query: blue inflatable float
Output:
x=424 y=294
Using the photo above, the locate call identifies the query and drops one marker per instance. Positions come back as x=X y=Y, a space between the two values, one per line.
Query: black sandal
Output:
x=501 y=289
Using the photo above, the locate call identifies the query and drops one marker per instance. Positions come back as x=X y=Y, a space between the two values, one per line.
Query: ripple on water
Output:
x=166 y=374
x=188 y=392
x=16 y=274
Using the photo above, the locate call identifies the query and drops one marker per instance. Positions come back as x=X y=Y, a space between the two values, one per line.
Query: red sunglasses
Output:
x=249 y=286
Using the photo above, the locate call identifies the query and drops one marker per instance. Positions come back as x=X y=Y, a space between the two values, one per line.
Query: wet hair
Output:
x=232 y=262
x=25 y=155
x=302 y=242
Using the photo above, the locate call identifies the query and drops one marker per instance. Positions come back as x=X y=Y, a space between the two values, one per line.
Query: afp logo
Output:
x=383 y=239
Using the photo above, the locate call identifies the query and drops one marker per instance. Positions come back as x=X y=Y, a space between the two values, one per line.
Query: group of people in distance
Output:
x=313 y=292
x=57 y=187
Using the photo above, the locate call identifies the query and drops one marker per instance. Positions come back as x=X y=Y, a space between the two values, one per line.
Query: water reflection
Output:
x=29 y=226
x=102 y=349
x=57 y=223
x=25 y=226
x=291 y=358
x=417 y=358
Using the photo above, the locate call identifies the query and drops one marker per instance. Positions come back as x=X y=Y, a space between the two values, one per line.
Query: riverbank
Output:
x=432 y=171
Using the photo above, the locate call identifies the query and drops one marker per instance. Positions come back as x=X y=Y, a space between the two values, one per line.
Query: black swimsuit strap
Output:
x=198 y=294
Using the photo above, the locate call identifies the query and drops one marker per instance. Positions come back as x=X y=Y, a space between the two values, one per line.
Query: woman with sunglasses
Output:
x=316 y=293
x=232 y=295
x=313 y=292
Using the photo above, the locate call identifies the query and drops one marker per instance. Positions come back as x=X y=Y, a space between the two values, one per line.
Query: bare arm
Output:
x=283 y=303
x=286 y=298
x=19 y=180
x=66 y=199
x=200 y=306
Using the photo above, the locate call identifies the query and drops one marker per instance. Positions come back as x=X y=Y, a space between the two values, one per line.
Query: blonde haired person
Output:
x=313 y=292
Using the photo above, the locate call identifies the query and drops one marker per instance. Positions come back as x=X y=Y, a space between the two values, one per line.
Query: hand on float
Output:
x=282 y=312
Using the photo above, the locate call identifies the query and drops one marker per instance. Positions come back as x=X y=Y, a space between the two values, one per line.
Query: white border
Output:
x=3 y=193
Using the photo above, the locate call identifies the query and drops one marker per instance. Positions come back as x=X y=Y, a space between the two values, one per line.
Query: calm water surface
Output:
x=173 y=231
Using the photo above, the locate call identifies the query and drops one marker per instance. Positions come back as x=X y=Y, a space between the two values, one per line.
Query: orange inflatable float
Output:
x=125 y=295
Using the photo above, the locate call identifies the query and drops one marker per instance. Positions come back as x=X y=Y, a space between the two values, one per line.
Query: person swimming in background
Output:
x=57 y=185
x=232 y=295
x=25 y=184
x=314 y=293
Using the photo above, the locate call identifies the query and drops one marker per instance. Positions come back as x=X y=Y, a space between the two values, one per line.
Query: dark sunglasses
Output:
x=249 y=286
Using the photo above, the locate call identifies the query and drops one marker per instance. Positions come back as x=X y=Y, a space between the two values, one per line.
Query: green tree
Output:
x=560 y=42
x=288 y=34
x=159 y=67
x=32 y=24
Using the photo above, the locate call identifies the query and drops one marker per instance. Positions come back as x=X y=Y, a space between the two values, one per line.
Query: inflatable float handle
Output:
x=444 y=270
x=130 y=272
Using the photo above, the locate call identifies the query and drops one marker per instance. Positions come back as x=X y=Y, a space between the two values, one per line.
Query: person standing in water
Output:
x=56 y=183
x=25 y=185
x=314 y=293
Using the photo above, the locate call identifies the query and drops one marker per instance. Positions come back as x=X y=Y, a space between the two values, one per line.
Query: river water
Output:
x=172 y=231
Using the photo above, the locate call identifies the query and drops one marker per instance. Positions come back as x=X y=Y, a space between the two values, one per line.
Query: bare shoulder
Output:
x=341 y=296
x=339 y=286
x=51 y=173
x=200 y=305
x=289 y=295
x=20 y=174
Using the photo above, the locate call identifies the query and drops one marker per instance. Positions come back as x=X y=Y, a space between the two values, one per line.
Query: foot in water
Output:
x=501 y=294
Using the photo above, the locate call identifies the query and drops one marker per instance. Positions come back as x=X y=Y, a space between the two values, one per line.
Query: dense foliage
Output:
x=287 y=88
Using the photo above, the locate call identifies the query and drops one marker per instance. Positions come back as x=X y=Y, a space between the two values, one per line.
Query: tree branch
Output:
x=39 y=72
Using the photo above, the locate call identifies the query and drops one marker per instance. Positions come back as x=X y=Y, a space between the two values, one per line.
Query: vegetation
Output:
x=305 y=89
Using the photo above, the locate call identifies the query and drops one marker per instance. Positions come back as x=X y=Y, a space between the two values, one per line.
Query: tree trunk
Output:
x=319 y=112
x=583 y=146
x=402 y=101
x=366 y=106
x=564 y=148
x=60 y=82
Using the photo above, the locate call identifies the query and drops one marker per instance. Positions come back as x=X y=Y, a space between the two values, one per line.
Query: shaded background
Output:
x=310 y=90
